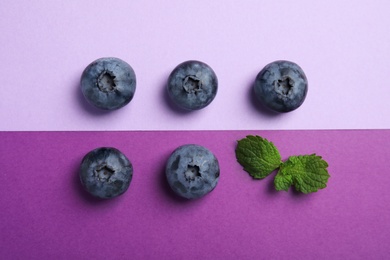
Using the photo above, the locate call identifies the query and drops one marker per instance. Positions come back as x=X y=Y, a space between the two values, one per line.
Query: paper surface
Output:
x=46 y=214
x=341 y=45
x=46 y=129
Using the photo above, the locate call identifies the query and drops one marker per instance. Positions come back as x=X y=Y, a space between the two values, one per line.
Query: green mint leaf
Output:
x=307 y=173
x=258 y=156
x=283 y=181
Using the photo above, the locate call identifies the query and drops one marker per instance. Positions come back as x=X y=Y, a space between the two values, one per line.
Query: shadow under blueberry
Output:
x=258 y=105
x=166 y=189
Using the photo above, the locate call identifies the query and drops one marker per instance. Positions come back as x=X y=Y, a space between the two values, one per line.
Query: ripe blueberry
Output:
x=105 y=172
x=192 y=171
x=192 y=85
x=108 y=83
x=281 y=86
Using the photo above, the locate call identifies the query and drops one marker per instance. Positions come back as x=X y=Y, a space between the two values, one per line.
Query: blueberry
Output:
x=192 y=85
x=281 y=86
x=106 y=172
x=192 y=171
x=108 y=83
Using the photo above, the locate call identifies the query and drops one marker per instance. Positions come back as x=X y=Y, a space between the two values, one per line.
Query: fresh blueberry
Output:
x=106 y=172
x=281 y=86
x=192 y=85
x=192 y=171
x=108 y=83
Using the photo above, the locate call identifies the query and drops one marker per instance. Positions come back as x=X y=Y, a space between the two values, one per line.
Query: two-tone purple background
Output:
x=46 y=128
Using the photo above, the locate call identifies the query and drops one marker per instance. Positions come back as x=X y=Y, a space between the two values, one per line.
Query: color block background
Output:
x=47 y=215
x=47 y=127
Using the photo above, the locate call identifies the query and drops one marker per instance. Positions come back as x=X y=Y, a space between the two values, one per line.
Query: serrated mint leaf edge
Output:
x=297 y=186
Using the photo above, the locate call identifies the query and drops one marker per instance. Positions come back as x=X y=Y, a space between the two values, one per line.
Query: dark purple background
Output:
x=47 y=215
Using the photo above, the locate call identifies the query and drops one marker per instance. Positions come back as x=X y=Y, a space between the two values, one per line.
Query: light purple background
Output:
x=45 y=214
x=343 y=47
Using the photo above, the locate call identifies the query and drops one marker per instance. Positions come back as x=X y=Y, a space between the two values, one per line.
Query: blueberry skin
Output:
x=108 y=83
x=192 y=171
x=281 y=86
x=192 y=85
x=105 y=172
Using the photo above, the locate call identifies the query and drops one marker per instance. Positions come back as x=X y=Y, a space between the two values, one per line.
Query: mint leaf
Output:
x=307 y=173
x=258 y=156
x=283 y=181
